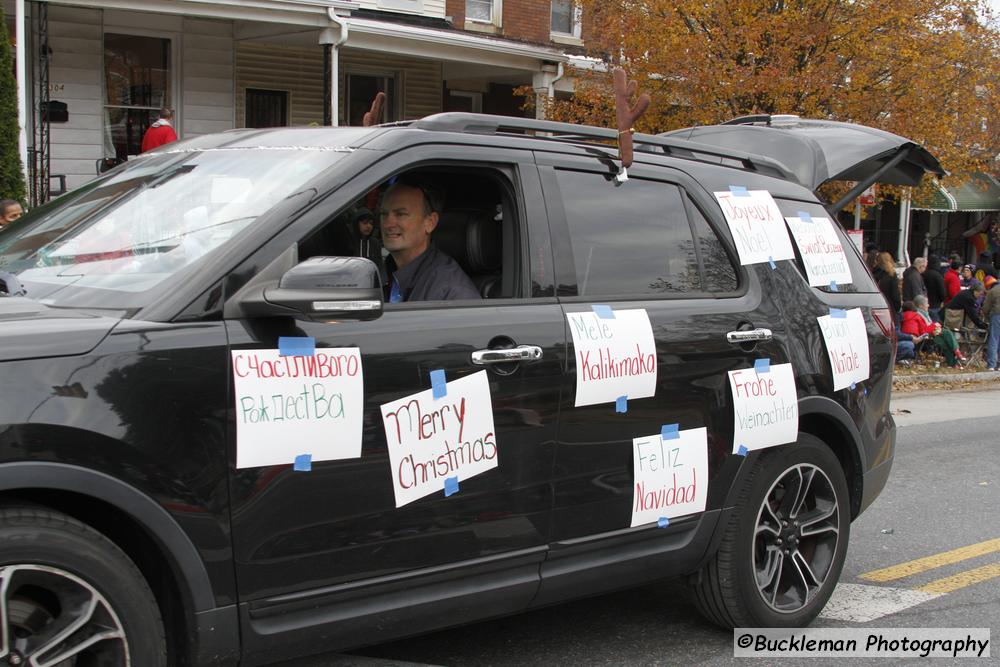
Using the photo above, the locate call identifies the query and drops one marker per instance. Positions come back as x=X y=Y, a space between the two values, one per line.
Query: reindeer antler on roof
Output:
x=374 y=115
x=627 y=115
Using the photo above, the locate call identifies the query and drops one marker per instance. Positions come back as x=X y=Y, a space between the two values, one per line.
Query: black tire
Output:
x=738 y=586
x=59 y=571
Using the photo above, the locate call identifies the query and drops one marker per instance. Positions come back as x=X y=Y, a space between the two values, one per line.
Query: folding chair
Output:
x=973 y=344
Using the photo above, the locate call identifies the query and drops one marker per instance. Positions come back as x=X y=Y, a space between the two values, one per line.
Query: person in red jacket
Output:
x=159 y=133
x=952 y=281
x=918 y=323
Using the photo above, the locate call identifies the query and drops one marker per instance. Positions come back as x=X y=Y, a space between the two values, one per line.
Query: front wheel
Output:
x=70 y=598
x=784 y=546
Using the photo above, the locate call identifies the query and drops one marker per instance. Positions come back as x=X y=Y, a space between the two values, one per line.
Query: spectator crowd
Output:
x=936 y=303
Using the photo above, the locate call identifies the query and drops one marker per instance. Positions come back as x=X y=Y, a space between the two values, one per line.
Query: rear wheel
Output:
x=785 y=544
x=70 y=598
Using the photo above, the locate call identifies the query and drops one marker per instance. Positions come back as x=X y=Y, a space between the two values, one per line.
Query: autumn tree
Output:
x=924 y=69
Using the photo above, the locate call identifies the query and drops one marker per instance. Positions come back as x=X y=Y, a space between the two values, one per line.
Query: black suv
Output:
x=220 y=442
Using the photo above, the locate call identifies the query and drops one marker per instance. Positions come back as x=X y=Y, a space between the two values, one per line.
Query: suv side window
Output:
x=640 y=241
x=718 y=272
x=477 y=226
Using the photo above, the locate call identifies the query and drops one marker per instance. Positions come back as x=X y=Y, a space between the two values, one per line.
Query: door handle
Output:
x=505 y=356
x=751 y=336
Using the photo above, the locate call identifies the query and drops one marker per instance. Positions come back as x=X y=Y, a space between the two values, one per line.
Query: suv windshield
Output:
x=118 y=238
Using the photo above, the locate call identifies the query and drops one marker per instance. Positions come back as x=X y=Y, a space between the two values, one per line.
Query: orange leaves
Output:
x=921 y=68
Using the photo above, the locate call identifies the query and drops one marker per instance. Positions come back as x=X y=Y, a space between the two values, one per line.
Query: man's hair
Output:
x=919 y=260
x=432 y=199
x=166 y=113
x=920 y=299
x=7 y=203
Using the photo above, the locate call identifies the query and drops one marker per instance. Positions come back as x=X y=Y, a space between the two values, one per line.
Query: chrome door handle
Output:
x=519 y=353
x=750 y=336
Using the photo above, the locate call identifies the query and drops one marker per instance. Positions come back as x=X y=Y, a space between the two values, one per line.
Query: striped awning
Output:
x=980 y=192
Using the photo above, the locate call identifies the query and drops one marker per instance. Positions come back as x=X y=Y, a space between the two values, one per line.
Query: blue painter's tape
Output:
x=669 y=432
x=742 y=451
x=739 y=191
x=438 y=383
x=805 y=217
x=621 y=404
x=304 y=462
x=296 y=346
x=853 y=386
x=833 y=286
x=663 y=522
x=603 y=312
x=762 y=365
x=838 y=313
x=450 y=486
x=770 y=260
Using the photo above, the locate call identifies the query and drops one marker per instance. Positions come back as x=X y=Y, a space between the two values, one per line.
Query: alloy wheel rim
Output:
x=51 y=618
x=795 y=538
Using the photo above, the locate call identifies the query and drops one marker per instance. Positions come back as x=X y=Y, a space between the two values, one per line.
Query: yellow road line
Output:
x=962 y=579
x=931 y=562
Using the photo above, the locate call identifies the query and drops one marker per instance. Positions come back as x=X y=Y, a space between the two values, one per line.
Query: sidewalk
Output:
x=923 y=407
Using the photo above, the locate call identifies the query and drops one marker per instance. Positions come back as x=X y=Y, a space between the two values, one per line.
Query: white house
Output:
x=221 y=64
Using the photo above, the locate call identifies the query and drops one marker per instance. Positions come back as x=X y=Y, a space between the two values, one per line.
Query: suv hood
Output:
x=817 y=151
x=29 y=330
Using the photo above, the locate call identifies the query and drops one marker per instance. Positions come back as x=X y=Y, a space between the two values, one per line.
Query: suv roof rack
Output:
x=475 y=123
x=765 y=118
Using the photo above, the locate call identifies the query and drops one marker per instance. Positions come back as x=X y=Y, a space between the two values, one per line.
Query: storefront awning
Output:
x=980 y=192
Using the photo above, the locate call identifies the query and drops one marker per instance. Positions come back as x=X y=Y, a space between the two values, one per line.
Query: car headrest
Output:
x=472 y=238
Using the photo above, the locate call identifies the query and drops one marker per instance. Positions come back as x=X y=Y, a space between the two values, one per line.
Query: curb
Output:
x=948 y=377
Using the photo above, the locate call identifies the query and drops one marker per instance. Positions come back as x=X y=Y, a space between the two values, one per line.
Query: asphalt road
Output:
x=944 y=494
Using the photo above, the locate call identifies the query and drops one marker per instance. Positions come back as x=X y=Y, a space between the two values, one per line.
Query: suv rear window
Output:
x=644 y=248
x=861 y=280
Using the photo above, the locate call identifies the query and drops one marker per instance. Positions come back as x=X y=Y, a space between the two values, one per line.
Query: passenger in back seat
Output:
x=417 y=270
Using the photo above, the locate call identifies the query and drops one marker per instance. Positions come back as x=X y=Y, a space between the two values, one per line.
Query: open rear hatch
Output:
x=817 y=151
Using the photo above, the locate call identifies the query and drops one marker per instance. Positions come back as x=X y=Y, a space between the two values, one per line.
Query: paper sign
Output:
x=847 y=346
x=671 y=476
x=431 y=440
x=614 y=357
x=821 y=250
x=757 y=226
x=765 y=407
x=289 y=404
x=857 y=236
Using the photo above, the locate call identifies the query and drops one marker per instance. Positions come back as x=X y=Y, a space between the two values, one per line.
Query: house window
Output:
x=460 y=100
x=138 y=82
x=266 y=108
x=361 y=91
x=484 y=11
x=565 y=18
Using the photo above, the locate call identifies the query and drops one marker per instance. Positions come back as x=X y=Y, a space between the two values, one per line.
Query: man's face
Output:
x=10 y=214
x=921 y=265
x=406 y=228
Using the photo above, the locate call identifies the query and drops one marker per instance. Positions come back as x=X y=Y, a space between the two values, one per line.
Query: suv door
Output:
x=317 y=534
x=630 y=247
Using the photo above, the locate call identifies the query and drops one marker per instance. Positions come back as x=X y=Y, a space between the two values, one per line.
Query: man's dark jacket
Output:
x=966 y=300
x=934 y=284
x=913 y=284
x=433 y=276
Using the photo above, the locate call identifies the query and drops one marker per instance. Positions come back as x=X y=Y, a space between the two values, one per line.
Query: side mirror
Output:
x=321 y=289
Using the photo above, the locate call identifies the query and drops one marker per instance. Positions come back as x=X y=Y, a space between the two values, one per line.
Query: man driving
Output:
x=418 y=271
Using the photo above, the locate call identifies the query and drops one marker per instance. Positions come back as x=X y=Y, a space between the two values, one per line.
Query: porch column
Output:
x=902 y=252
x=543 y=83
x=20 y=54
x=333 y=38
